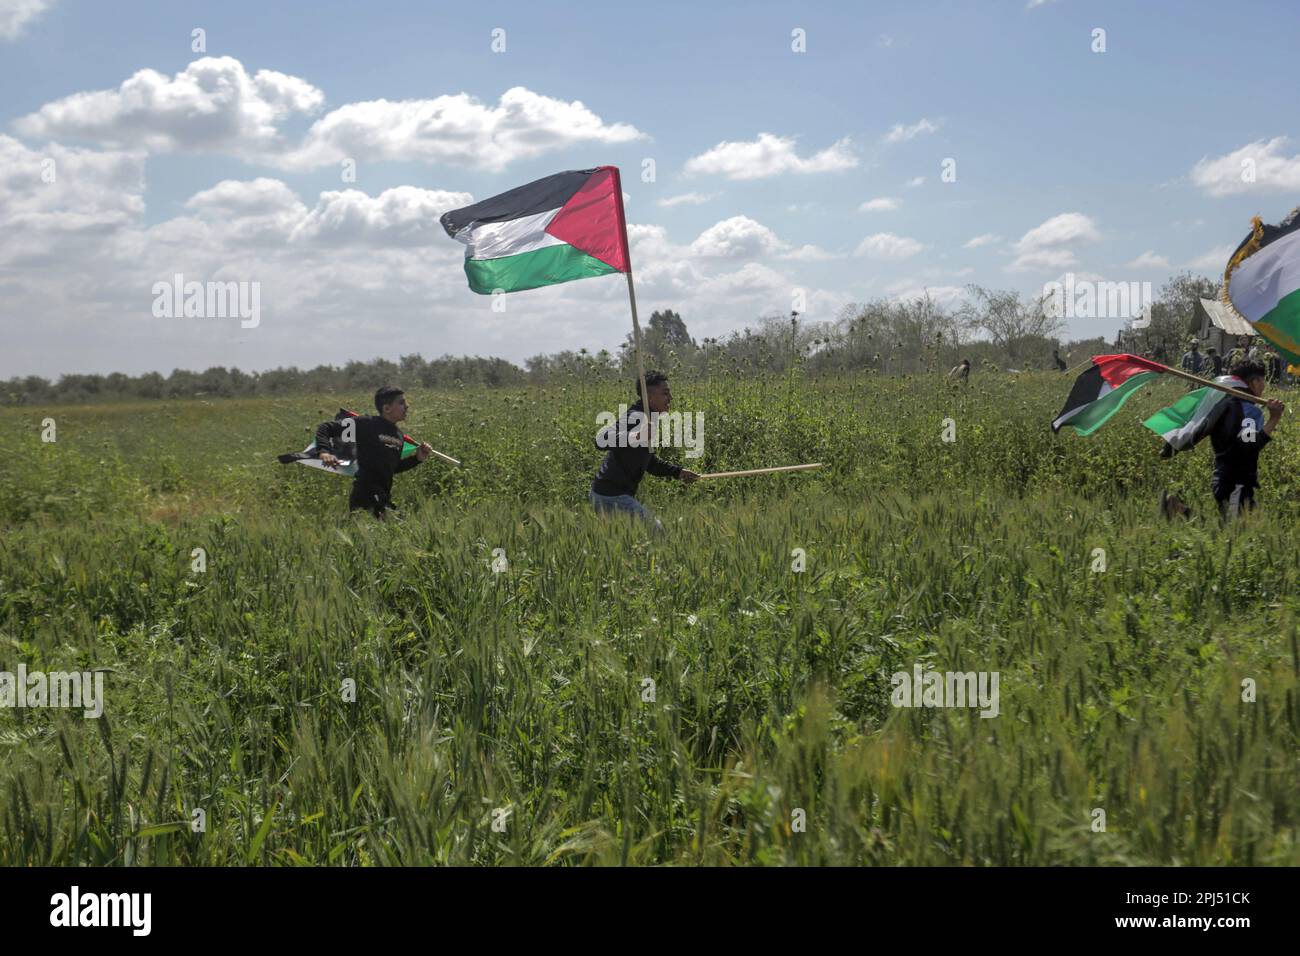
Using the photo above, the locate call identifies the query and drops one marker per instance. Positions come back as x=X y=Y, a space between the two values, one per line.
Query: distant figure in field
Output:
x=1193 y=361
x=379 y=451
x=961 y=372
x=1215 y=359
x=1057 y=360
x=629 y=457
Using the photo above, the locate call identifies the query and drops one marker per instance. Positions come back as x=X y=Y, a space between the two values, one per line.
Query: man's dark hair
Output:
x=651 y=379
x=386 y=395
x=1248 y=370
x=1211 y=351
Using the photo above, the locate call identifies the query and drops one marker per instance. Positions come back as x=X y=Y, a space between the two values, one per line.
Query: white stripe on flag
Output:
x=495 y=240
x=1259 y=283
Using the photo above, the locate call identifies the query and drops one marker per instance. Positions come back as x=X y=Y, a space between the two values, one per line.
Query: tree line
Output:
x=994 y=329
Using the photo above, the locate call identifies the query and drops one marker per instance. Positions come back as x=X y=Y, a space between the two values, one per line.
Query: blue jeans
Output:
x=608 y=504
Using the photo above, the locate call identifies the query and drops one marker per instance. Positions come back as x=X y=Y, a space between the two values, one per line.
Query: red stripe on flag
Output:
x=1118 y=369
x=592 y=221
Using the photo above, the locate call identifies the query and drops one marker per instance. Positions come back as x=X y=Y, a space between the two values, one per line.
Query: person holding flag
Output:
x=379 y=445
x=629 y=457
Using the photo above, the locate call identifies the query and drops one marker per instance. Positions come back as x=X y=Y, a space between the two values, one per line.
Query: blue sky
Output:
x=1116 y=165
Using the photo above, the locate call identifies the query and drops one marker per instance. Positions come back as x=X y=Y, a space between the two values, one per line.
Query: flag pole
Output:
x=760 y=471
x=631 y=298
x=1235 y=392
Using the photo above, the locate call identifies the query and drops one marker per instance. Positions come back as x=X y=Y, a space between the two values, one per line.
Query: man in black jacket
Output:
x=1238 y=437
x=379 y=450
x=629 y=455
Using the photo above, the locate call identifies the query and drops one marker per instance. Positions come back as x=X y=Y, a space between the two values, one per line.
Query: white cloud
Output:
x=1047 y=246
x=215 y=106
x=58 y=194
x=1149 y=260
x=1215 y=260
x=886 y=245
x=880 y=204
x=686 y=199
x=901 y=133
x=986 y=239
x=455 y=129
x=885 y=40
x=809 y=253
x=916 y=181
x=769 y=155
x=736 y=238
x=15 y=15
x=1261 y=161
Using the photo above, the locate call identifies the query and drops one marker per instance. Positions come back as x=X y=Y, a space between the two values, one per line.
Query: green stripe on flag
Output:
x=1097 y=413
x=1182 y=422
x=1281 y=326
x=531 y=270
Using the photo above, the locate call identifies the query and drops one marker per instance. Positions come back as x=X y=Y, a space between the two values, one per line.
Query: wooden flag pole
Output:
x=631 y=298
x=447 y=458
x=761 y=471
x=1235 y=392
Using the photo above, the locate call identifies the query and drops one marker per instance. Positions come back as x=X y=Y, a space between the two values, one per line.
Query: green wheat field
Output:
x=503 y=717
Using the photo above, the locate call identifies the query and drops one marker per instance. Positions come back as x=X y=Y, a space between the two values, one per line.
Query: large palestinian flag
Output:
x=1102 y=390
x=346 y=452
x=1262 y=283
x=564 y=227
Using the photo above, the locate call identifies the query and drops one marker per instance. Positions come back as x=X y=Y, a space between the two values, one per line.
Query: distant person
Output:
x=1159 y=353
x=1193 y=361
x=1057 y=360
x=1215 y=359
x=961 y=372
x=629 y=456
x=379 y=451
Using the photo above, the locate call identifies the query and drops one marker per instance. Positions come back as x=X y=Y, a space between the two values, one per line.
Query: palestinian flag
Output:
x=564 y=227
x=346 y=452
x=1103 y=389
x=1192 y=417
x=1262 y=283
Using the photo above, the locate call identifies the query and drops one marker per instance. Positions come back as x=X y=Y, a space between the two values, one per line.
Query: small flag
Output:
x=1183 y=424
x=1102 y=389
x=1262 y=283
x=346 y=452
x=557 y=229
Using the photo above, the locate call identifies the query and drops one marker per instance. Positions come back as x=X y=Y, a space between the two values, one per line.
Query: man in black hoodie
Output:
x=379 y=451
x=1238 y=437
x=629 y=455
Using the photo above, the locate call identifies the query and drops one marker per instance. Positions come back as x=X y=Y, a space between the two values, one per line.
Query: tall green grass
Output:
x=521 y=696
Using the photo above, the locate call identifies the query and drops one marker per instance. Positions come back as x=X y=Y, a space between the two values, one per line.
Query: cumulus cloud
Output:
x=1149 y=260
x=985 y=239
x=686 y=199
x=886 y=245
x=880 y=204
x=769 y=155
x=809 y=253
x=214 y=105
x=736 y=238
x=456 y=129
x=901 y=133
x=59 y=193
x=1260 y=165
x=16 y=15
x=1048 y=245
x=1214 y=260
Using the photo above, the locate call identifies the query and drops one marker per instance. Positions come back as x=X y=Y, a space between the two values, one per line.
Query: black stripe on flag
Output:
x=1086 y=390
x=551 y=192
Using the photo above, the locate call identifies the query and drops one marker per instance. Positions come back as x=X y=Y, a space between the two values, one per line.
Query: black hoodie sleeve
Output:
x=662 y=469
x=406 y=464
x=328 y=435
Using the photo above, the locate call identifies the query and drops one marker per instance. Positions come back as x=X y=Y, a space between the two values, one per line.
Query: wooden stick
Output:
x=1236 y=393
x=447 y=458
x=761 y=471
